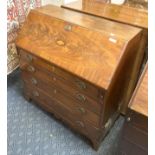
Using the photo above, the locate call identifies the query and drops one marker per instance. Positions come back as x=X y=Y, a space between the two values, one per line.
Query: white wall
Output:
x=56 y=2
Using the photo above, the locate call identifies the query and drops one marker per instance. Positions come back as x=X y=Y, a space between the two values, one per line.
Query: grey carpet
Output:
x=32 y=131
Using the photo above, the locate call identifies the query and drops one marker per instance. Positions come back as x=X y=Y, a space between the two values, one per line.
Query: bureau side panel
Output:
x=116 y=95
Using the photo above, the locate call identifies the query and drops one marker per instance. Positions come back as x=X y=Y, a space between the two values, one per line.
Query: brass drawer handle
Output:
x=81 y=124
x=31 y=69
x=60 y=42
x=29 y=58
x=81 y=97
x=82 y=110
x=81 y=84
x=35 y=93
x=34 y=81
x=68 y=27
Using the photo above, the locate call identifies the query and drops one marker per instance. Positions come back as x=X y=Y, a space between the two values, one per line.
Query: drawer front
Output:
x=62 y=112
x=75 y=82
x=53 y=80
x=137 y=120
x=136 y=136
x=65 y=99
x=135 y=129
x=128 y=148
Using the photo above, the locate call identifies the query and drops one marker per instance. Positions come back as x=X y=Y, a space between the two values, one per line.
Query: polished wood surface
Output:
x=139 y=102
x=121 y=13
x=77 y=66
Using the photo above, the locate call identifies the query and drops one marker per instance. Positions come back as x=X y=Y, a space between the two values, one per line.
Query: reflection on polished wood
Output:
x=137 y=16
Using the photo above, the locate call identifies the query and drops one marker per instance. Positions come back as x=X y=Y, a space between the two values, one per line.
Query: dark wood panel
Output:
x=136 y=136
x=138 y=120
x=128 y=148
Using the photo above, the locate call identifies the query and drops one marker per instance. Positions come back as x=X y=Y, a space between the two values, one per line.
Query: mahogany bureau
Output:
x=131 y=12
x=75 y=66
x=134 y=138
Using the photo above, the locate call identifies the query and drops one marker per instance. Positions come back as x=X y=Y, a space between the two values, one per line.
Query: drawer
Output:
x=128 y=148
x=53 y=80
x=67 y=101
x=137 y=120
x=77 y=83
x=136 y=136
x=53 y=106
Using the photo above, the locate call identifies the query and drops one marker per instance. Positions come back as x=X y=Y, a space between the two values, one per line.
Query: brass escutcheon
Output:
x=68 y=27
x=60 y=42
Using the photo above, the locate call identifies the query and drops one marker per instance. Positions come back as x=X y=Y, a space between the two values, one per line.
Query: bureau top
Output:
x=86 y=46
x=135 y=16
x=139 y=101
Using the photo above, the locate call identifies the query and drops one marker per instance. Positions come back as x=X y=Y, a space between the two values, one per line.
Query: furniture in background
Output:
x=131 y=12
x=17 y=11
x=134 y=137
x=75 y=66
x=54 y=2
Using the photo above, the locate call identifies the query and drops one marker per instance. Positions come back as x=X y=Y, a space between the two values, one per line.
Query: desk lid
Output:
x=87 y=46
